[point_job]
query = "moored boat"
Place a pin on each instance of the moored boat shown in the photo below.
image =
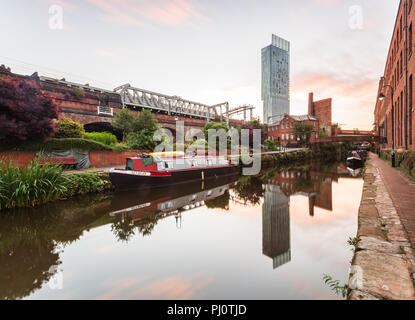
(168, 168)
(354, 160)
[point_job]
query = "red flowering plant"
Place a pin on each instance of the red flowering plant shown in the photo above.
(26, 113)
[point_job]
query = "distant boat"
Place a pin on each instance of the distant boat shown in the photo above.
(169, 168)
(354, 160)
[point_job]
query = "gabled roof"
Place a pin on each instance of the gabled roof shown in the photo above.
(277, 119)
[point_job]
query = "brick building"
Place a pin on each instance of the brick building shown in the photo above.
(282, 128)
(322, 111)
(395, 112)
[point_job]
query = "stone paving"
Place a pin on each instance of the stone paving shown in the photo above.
(383, 264)
(402, 192)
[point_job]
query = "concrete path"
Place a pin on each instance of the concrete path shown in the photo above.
(402, 192)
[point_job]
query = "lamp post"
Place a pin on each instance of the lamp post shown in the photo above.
(381, 97)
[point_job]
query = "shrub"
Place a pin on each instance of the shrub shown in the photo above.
(26, 112)
(67, 128)
(271, 145)
(129, 122)
(78, 93)
(141, 140)
(83, 183)
(103, 137)
(30, 186)
(408, 161)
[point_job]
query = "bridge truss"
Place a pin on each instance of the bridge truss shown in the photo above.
(172, 105)
(241, 109)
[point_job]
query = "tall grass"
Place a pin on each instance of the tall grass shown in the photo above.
(36, 184)
(103, 137)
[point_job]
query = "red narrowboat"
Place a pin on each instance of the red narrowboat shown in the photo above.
(168, 168)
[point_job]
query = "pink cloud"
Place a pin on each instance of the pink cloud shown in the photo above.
(175, 287)
(354, 96)
(139, 12)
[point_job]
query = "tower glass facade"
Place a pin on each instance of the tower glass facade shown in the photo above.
(276, 78)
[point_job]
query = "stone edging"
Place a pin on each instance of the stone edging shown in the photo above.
(383, 262)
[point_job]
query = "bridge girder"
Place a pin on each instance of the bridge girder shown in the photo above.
(131, 96)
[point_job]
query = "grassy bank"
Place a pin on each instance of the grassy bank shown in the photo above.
(38, 184)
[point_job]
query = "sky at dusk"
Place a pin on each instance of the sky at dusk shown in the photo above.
(208, 50)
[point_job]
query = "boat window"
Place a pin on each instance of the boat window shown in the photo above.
(166, 165)
(129, 164)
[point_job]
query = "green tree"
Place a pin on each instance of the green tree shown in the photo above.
(215, 126)
(322, 133)
(129, 122)
(124, 121)
(301, 130)
(145, 121)
(255, 123)
(271, 145)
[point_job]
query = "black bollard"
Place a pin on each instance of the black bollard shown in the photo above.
(393, 159)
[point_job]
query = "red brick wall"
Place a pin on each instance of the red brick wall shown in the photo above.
(109, 158)
(276, 131)
(395, 78)
(322, 111)
(97, 158)
(20, 159)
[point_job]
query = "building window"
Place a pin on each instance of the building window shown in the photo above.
(400, 33)
(410, 108)
(401, 65)
(292, 136)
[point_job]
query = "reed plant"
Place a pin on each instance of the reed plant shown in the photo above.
(36, 184)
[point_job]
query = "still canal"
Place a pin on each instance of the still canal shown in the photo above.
(271, 236)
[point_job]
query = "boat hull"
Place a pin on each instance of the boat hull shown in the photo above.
(354, 162)
(123, 181)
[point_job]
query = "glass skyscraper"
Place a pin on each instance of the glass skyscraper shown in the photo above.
(276, 78)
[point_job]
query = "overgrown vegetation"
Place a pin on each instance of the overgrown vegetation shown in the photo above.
(106, 138)
(31, 186)
(67, 128)
(138, 129)
(271, 145)
(38, 184)
(26, 112)
(303, 131)
(404, 160)
(335, 285)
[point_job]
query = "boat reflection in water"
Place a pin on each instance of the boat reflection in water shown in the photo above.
(170, 202)
(34, 241)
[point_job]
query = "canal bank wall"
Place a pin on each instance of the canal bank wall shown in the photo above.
(383, 262)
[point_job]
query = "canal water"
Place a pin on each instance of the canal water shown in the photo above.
(271, 236)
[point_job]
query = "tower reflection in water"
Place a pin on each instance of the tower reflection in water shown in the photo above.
(276, 226)
(315, 184)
